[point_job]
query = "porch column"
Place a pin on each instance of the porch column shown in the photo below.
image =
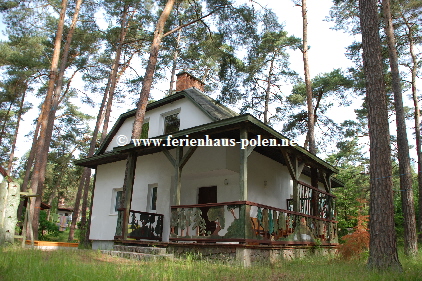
(178, 163)
(125, 201)
(295, 170)
(315, 195)
(326, 177)
(178, 175)
(243, 171)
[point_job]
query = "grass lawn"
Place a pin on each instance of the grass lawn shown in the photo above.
(29, 264)
(61, 237)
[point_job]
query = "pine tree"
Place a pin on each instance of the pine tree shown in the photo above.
(383, 245)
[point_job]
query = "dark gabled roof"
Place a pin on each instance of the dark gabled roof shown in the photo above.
(215, 110)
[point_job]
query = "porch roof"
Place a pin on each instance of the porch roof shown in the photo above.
(225, 128)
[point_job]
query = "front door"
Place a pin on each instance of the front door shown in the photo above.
(207, 194)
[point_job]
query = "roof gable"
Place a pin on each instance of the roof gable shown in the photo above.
(213, 109)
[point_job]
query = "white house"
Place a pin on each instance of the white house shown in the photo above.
(216, 177)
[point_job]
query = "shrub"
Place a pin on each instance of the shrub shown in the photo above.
(46, 227)
(357, 242)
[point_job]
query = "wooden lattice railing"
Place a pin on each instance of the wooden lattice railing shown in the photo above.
(249, 222)
(314, 201)
(143, 225)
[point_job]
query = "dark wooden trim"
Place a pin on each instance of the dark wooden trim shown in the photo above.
(169, 156)
(187, 156)
(229, 124)
(316, 189)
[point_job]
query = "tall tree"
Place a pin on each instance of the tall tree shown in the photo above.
(383, 245)
(409, 15)
(308, 82)
(38, 176)
(328, 90)
(267, 65)
(410, 239)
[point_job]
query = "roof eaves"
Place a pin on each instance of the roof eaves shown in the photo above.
(296, 147)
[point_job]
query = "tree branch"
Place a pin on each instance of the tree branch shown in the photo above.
(192, 22)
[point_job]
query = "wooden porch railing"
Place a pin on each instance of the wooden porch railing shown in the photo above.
(249, 222)
(314, 201)
(143, 225)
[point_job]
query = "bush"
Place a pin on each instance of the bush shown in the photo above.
(357, 242)
(46, 227)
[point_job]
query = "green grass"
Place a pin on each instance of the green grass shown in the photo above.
(62, 236)
(29, 264)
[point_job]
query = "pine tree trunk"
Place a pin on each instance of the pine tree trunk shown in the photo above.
(3, 129)
(308, 83)
(382, 247)
(417, 115)
(15, 136)
(31, 157)
(28, 165)
(65, 56)
(268, 90)
(145, 91)
(84, 241)
(113, 74)
(150, 70)
(410, 238)
(174, 66)
(103, 115)
(85, 174)
(38, 175)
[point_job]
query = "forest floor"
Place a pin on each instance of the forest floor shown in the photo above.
(29, 264)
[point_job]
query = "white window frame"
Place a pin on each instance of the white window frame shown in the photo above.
(168, 113)
(149, 196)
(113, 211)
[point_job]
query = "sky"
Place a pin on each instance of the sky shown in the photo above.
(327, 48)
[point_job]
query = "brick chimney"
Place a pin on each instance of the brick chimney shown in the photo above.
(185, 81)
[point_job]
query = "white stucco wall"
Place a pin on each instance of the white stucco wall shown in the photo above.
(103, 221)
(307, 180)
(154, 169)
(190, 116)
(269, 183)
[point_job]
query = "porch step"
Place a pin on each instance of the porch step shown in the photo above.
(139, 249)
(139, 253)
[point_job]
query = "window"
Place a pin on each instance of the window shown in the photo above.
(152, 198)
(115, 200)
(171, 123)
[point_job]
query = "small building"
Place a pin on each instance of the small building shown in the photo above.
(201, 173)
(64, 217)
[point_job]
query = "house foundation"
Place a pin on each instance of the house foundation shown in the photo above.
(239, 254)
(246, 255)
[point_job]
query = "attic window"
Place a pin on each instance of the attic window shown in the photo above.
(171, 123)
